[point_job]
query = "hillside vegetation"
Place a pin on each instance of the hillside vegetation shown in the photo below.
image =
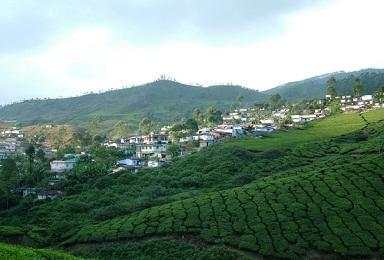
(319, 195)
(162, 101)
(371, 79)
(13, 252)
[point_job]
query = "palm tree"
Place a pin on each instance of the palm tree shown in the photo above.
(357, 88)
(30, 152)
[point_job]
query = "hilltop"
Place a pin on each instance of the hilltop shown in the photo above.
(315, 87)
(162, 101)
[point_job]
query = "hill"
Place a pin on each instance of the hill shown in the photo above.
(162, 101)
(326, 202)
(309, 196)
(315, 87)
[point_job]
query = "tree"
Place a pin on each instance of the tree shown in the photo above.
(274, 100)
(145, 126)
(357, 88)
(121, 128)
(198, 116)
(40, 155)
(173, 150)
(379, 95)
(212, 116)
(239, 100)
(30, 152)
(96, 124)
(331, 89)
(8, 180)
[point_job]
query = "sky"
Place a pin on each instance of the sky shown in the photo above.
(55, 48)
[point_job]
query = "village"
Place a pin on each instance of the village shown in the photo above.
(156, 149)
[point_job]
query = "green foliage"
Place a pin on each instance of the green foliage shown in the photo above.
(13, 252)
(280, 216)
(274, 100)
(331, 90)
(357, 88)
(212, 116)
(160, 101)
(173, 150)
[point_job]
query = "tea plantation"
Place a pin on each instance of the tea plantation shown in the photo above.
(335, 207)
(311, 192)
(13, 252)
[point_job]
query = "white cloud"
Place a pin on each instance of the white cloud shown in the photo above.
(342, 36)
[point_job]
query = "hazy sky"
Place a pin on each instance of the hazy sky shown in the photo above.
(51, 48)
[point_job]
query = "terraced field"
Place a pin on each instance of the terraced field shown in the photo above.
(12, 252)
(337, 208)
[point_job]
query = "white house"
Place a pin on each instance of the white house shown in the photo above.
(267, 121)
(367, 98)
(129, 163)
(186, 139)
(155, 163)
(52, 194)
(62, 166)
(151, 150)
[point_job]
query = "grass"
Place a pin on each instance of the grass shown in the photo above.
(13, 252)
(314, 131)
(374, 115)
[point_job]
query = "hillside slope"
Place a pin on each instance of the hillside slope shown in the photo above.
(161, 100)
(323, 201)
(13, 252)
(315, 87)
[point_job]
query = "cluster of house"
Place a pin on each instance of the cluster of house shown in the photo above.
(10, 141)
(349, 103)
(59, 168)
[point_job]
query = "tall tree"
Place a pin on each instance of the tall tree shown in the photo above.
(8, 180)
(212, 116)
(274, 100)
(357, 87)
(198, 116)
(331, 87)
(30, 152)
(147, 126)
(239, 100)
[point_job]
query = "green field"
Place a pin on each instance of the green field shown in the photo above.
(315, 131)
(13, 252)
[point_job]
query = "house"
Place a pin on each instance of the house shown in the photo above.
(130, 163)
(303, 118)
(263, 129)
(267, 121)
(155, 163)
(186, 139)
(60, 167)
(51, 195)
(238, 131)
(205, 143)
(367, 98)
(155, 138)
(151, 150)
(28, 191)
(3, 155)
